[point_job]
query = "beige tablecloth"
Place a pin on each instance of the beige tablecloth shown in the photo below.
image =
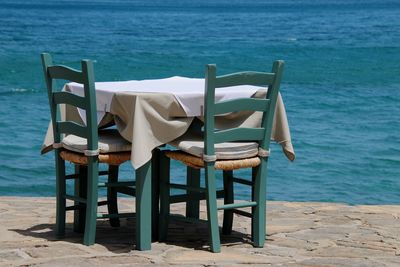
(149, 120)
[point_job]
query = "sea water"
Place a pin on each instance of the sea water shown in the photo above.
(341, 85)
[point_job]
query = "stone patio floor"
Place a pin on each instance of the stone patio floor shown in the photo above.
(298, 234)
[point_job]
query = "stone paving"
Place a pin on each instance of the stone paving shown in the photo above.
(299, 234)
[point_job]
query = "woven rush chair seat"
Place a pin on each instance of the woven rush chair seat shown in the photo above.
(225, 165)
(109, 158)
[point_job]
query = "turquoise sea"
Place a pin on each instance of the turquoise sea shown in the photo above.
(341, 84)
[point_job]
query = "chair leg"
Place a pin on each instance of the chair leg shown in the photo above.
(254, 172)
(80, 191)
(212, 215)
(112, 198)
(155, 192)
(91, 204)
(259, 220)
(164, 197)
(229, 198)
(60, 195)
(193, 202)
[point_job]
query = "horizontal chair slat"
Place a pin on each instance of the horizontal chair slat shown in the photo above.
(184, 219)
(242, 181)
(75, 207)
(182, 198)
(199, 196)
(126, 191)
(70, 99)
(103, 173)
(239, 134)
(117, 184)
(102, 203)
(72, 176)
(65, 73)
(76, 175)
(82, 206)
(185, 187)
(253, 104)
(116, 215)
(237, 205)
(75, 198)
(245, 78)
(69, 127)
(243, 213)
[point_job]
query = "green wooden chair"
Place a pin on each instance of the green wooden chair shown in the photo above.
(86, 147)
(225, 150)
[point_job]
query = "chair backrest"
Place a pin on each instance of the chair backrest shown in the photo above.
(261, 135)
(57, 98)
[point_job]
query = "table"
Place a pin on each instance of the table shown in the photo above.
(149, 116)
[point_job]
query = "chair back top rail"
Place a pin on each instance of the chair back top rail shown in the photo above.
(66, 73)
(267, 105)
(87, 102)
(244, 78)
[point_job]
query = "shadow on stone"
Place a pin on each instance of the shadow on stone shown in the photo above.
(194, 235)
(122, 239)
(115, 239)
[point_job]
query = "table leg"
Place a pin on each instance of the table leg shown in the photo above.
(193, 202)
(143, 207)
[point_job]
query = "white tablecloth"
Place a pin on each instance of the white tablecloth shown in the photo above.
(189, 92)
